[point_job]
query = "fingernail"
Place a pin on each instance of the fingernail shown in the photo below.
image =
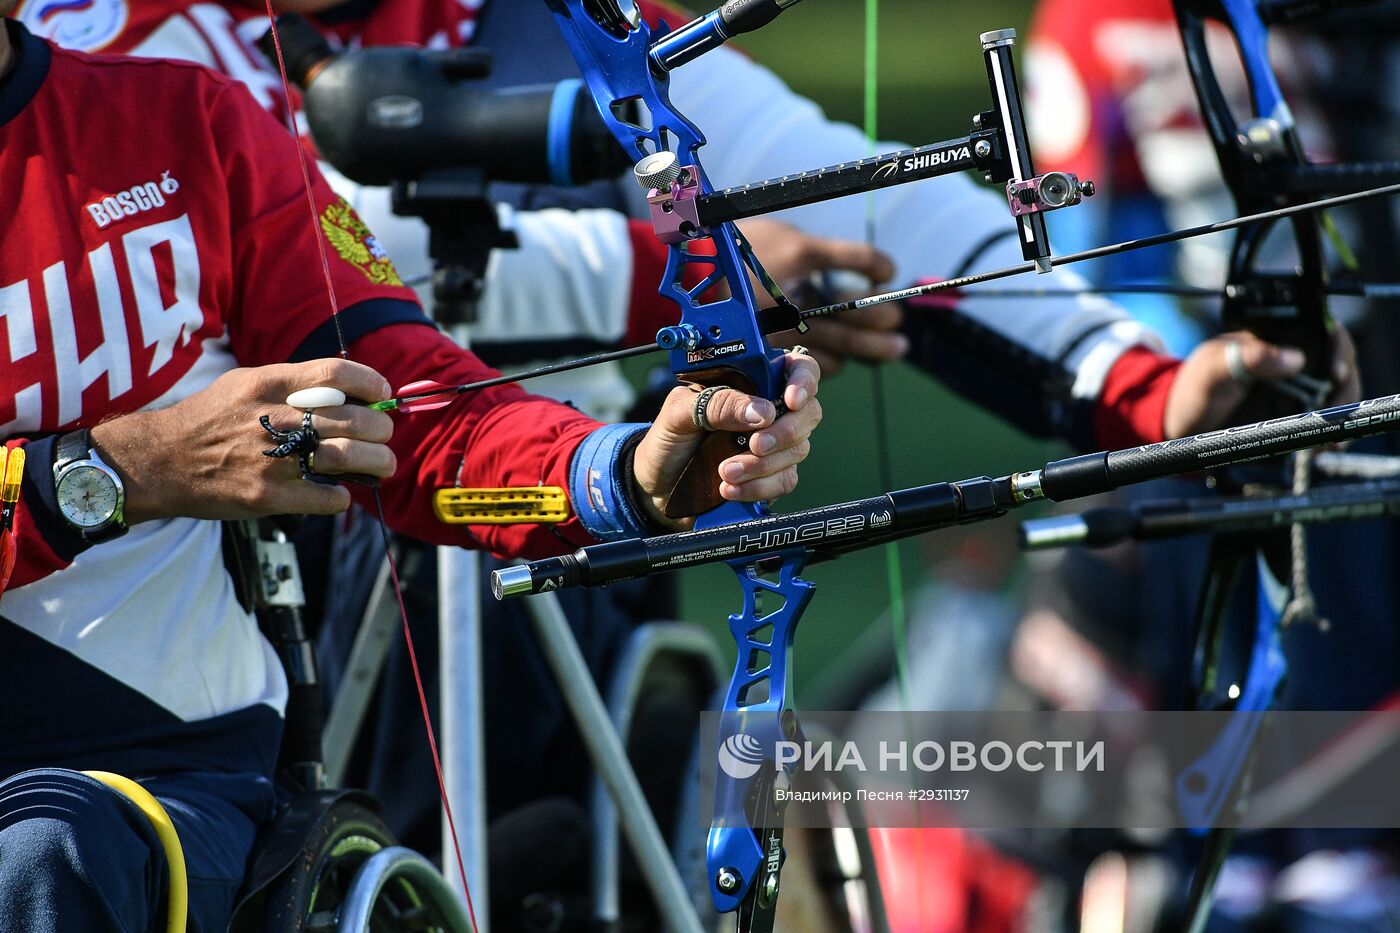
(902, 343)
(802, 395)
(762, 444)
(386, 391)
(1292, 358)
(752, 414)
(731, 472)
(1341, 372)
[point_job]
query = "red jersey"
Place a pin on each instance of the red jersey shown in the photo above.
(159, 235)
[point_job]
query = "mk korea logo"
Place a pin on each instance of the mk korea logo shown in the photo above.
(718, 351)
(740, 756)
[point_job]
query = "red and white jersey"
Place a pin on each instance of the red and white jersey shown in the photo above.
(138, 238)
(158, 234)
(1112, 98)
(578, 275)
(221, 35)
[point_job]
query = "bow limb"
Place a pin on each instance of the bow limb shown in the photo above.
(715, 342)
(1206, 787)
(1264, 167)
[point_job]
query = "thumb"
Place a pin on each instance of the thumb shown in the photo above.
(1263, 360)
(724, 410)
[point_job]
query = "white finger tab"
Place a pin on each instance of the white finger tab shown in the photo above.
(316, 397)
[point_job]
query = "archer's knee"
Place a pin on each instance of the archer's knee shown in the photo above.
(72, 857)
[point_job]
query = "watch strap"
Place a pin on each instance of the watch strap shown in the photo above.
(73, 446)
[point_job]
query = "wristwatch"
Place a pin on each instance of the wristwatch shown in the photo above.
(89, 492)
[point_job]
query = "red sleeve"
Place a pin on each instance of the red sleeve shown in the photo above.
(647, 312)
(281, 294)
(654, 11)
(1133, 404)
(495, 438)
(1070, 89)
(33, 558)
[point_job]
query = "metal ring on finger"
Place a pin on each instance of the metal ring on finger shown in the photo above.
(698, 415)
(1234, 362)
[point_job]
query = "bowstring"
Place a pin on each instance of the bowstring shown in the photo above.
(884, 465)
(344, 351)
(894, 571)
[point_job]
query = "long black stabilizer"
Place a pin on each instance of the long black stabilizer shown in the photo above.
(867, 522)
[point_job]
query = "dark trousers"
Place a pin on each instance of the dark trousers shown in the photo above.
(77, 856)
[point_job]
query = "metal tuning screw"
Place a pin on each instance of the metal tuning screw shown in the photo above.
(1048, 192)
(1026, 487)
(658, 171)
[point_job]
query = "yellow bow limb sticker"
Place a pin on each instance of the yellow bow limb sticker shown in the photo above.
(524, 505)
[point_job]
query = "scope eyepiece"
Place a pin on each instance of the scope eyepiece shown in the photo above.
(394, 113)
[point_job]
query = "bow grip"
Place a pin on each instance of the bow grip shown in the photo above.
(696, 490)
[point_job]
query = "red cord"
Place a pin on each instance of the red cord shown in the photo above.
(306, 178)
(378, 504)
(423, 707)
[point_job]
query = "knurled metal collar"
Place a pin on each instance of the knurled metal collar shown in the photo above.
(998, 37)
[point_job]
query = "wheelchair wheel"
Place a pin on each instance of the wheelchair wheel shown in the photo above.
(308, 898)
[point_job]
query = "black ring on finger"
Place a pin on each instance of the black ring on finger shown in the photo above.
(301, 441)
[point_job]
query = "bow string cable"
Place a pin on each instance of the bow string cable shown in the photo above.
(303, 162)
(884, 458)
(894, 570)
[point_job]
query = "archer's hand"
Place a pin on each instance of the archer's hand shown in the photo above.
(793, 258)
(202, 457)
(1205, 393)
(870, 335)
(776, 447)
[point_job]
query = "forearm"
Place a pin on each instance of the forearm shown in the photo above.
(495, 438)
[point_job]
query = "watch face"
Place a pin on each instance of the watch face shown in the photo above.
(87, 497)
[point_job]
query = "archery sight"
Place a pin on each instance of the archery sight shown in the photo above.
(723, 342)
(998, 148)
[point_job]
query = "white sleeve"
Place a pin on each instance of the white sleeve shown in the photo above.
(569, 281)
(937, 228)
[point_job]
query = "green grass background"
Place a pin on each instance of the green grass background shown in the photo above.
(932, 80)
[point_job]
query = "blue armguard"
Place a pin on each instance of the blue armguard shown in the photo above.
(596, 484)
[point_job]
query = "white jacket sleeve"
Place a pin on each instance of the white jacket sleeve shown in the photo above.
(937, 228)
